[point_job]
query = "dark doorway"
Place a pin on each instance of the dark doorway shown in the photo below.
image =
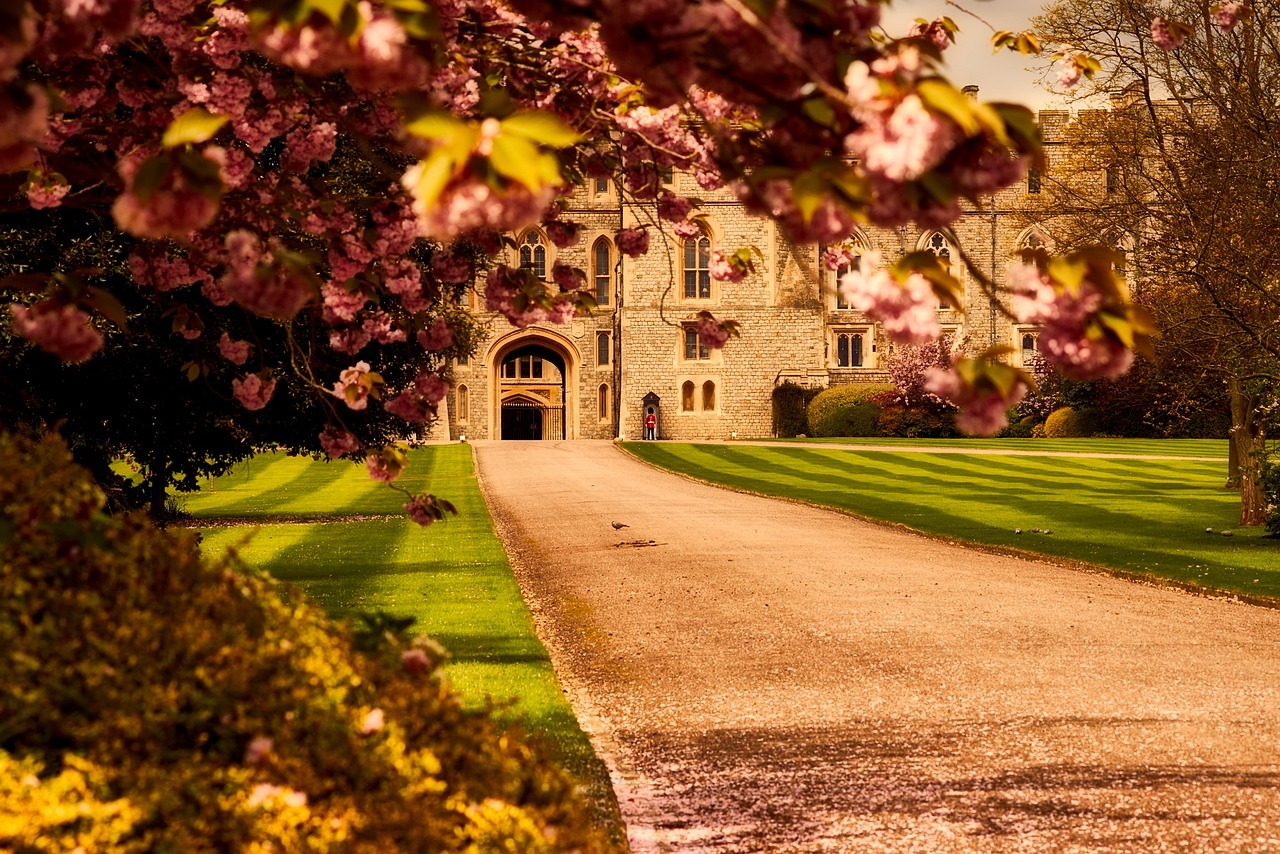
(522, 421)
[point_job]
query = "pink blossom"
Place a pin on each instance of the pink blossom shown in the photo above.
(633, 242)
(382, 469)
(563, 234)
(935, 31)
(174, 209)
(350, 341)
(436, 337)
(904, 145)
(381, 328)
(1069, 72)
(338, 443)
(1164, 36)
(352, 388)
(235, 352)
(372, 722)
(469, 203)
(501, 291)
(46, 191)
(305, 146)
(253, 391)
(1227, 15)
(258, 750)
(673, 208)
(983, 412)
(568, 278)
(419, 401)
(451, 268)
(723, 270)
(1071, 338)
(711, 332)
(907, 310)
(837, 258)
(416, 660)
(424, 509)
(339, 303)
(276, 292)
(63, 330)
(686, 229)
(264, 792)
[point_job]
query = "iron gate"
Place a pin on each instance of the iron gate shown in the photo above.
(532, 421)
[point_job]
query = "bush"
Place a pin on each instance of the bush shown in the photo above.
(790, 402)
(1023, 428)
(851, 419)
(157, 701)
(1068, 423)
(917, 422)
(826, 402)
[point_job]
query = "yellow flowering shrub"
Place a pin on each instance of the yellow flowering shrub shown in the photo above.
(158, 701)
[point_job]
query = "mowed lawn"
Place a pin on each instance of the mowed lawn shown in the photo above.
(345, 541)
(1144, 516)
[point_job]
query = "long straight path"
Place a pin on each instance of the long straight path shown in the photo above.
(767, 677)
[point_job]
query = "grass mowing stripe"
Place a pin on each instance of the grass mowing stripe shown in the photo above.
(1144, 517)
(453, 577)
(1138, 447)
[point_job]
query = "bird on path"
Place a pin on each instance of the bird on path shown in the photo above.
(618, 526)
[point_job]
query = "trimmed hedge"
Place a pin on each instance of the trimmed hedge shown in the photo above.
(824, 405)
(851, 419)
(1068, 423)
(157, 701)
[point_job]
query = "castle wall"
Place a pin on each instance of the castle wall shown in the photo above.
(790, 319)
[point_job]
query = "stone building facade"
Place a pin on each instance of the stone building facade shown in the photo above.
(595, 376)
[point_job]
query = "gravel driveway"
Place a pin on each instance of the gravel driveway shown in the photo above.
(763, 676)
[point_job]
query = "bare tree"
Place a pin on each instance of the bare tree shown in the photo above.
(1180, 172)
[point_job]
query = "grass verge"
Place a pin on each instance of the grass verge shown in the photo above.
(344, 540)
(1144, 517)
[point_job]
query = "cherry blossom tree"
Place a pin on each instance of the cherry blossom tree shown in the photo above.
(208, 132)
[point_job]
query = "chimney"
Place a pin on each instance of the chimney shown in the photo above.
(971, 90)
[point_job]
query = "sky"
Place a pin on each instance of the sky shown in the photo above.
(999, 77)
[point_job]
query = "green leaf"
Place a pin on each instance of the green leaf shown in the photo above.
(520, 160)
(436, 171)
(151, 175)
(808, 190)
(106, 304)
(820, 111)
(542, 128)
(941, 97)
(762, 8)
(1119, 326)
(331, 9)
(195, 125)
(1068, 272)
(434, 124)
(25, 282)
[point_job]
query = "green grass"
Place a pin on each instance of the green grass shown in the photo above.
(287, 516)
(1145, 517)
(1216, 448)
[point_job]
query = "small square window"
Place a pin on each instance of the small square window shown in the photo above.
(694, 348)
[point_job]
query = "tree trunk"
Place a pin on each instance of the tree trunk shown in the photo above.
(1233, 465)
(1249, 443)
(157, 486)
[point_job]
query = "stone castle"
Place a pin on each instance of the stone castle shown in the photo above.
(596, 377)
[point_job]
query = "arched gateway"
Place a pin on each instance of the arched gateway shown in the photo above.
(534, 374)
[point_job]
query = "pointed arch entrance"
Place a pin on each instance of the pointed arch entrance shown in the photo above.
(534, 374)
